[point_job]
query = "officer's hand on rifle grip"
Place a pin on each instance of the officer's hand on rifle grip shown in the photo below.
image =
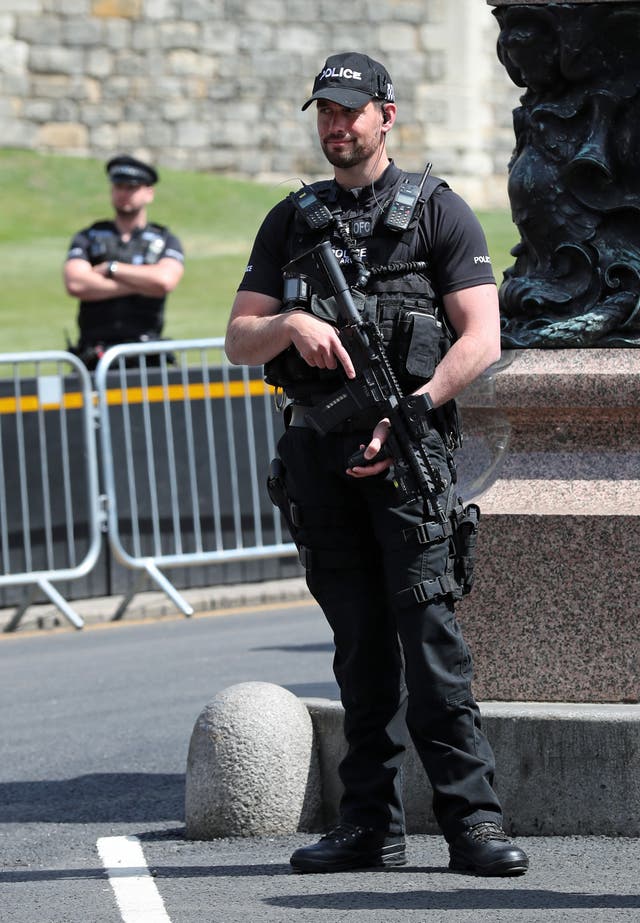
(318, 342)
(358, 459)
(381, 459)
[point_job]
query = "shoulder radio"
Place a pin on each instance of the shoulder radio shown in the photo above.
(315, 213)
(403, 206)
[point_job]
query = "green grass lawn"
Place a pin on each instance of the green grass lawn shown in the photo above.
(47, 198)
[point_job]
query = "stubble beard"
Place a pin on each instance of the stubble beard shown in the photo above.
(352, 156)
(128, 211)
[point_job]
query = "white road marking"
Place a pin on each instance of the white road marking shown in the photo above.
(135, 891)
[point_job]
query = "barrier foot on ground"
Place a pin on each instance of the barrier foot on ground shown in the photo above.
(150, 570)
(58, 601)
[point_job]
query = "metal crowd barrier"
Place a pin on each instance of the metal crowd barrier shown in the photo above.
(46, 405)
(177, 478)
(185, 442)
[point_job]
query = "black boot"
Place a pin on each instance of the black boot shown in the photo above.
(349, 847)
(487, 850)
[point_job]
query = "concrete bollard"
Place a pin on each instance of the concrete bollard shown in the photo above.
(252, 767)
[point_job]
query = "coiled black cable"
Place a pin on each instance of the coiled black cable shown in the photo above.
(398, 268)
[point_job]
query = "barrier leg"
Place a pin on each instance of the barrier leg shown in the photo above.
(165, 585)
(127, 599)
(22, 608)
(58, 601)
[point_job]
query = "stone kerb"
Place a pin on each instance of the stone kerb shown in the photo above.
(562, 770)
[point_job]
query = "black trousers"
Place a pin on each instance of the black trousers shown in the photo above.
(402, 666)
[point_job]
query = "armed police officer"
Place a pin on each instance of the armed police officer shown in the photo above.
(386, 568)
(123, 269)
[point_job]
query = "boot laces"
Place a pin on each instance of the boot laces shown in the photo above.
(488, 831)
(343, 832)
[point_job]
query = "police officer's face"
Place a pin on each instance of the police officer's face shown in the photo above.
(128, 199)
(349, 136)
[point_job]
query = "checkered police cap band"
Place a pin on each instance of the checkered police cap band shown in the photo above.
(130, 170)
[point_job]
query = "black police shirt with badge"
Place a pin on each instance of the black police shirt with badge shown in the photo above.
(126, 317)
(456, 244)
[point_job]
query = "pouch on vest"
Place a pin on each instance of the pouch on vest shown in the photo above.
(422, 336)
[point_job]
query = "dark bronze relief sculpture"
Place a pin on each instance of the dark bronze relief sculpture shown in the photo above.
(574, 177)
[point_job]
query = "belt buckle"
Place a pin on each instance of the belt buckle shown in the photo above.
(418, 592)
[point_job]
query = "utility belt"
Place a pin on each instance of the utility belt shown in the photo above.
(90, 352)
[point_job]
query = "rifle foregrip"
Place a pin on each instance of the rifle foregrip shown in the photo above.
(418, 411)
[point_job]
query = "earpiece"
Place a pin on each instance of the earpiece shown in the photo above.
(385, 115)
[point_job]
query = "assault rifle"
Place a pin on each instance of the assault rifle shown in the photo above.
(375, 385)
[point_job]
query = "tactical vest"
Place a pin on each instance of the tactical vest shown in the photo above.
(399, 294)
(130, 317)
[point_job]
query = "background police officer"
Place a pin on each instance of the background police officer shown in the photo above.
(123, 269)
(381, 567)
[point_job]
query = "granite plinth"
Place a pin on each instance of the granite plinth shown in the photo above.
(554, 613)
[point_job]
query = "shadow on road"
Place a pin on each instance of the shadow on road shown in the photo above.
(482, 898)
(128, 797)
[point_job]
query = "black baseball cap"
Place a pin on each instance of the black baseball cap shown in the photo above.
(131, 171)
(351, 80)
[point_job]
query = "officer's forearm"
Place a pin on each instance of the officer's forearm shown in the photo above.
(94, 287)
(155, 281)
(254, 339)
(464, 362)
(474, 313)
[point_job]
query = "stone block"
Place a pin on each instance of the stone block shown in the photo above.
(39, 30)
(54, 60)
(554, 611)
(17, 133)
(63, 136)
(122, 9)
(397, 36)
(21, 6)
(82, 32)
(99, 62)
(39, 110)
(179, 35)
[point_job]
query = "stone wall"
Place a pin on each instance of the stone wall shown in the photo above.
(218, 84)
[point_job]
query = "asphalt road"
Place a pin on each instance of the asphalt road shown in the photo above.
(95, 728)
